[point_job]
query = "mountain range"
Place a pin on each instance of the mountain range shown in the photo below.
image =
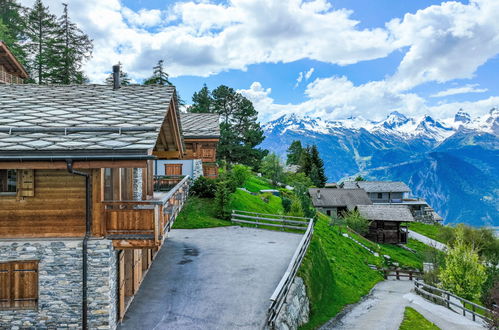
(452, 163)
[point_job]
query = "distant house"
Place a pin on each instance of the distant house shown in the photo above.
(335, 202)
(387, 222)
(11, 70)
(201, 135)
(380, 191)
(80, 216)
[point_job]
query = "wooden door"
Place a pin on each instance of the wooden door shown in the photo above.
(121, 284)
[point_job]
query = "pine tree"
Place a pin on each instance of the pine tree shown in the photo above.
(12, 27)
(41, 32)
(317, 172)
(73, 48)
(272, 169)
(159, 76)
(294, 153)
(124, 79)
(201, 101)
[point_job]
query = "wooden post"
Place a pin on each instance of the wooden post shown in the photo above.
(473, 309)
(398, 277)
(448, 299)
(386, 274)
(410, 275)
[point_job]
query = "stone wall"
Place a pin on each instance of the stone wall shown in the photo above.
(197, 169)
(296, 309)
(60, 283)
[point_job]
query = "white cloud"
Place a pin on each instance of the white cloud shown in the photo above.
(305, 75)
(470, 88)
(143, 18)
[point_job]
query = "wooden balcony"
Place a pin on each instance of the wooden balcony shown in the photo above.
(7, 78)
(144, 223)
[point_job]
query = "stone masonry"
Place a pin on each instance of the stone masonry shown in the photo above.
(60, 284)
(296, 309)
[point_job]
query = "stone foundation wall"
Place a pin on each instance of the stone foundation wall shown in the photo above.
(296, 309)
(197, 169)
(60, 284)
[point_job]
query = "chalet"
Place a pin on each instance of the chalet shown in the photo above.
(11, 71)
(335, 202)
(380, 191)
(80, 218)
(201, 134)
(387, 222)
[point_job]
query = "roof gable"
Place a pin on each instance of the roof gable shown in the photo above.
(200, 125)
(377, 186)
(379, 212)
(332, 197)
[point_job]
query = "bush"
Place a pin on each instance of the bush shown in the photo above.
(286, 204)
(204, 187)
(355, 221)
(222, 199)
(240, 174)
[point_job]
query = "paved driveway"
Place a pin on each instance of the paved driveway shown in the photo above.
(217, 278)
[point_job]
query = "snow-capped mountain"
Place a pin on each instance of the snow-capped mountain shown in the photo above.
(453, 163)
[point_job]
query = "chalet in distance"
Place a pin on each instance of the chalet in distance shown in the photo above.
(80, 218)
(11, 71)
(336, 202)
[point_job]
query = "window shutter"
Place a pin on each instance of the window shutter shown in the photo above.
(5, 275)
(173, 169)
(26, 183)
(25, 284)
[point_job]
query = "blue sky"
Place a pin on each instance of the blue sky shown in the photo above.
(355, 57)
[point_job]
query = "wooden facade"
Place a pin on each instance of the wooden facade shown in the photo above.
(206, 150)
(11, 70)
(389, 232)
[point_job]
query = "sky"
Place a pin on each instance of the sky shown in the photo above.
(329, 59)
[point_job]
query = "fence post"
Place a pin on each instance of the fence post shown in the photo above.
(473, 309)
(410, 275)
(398, 277)
(448, 299)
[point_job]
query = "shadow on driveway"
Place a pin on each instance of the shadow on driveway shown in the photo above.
(216, 278)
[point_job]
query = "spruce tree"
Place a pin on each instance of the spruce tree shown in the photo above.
(294, 153)
(73, 48)
(159, 76)
(12, 27)
(201, 101)
(317, 173)
(41, 32)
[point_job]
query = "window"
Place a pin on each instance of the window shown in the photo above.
(173, 169)
(19, 285)
(118, 184)
(380, 195)
(328, 212)
(8, 182)
(207, 153)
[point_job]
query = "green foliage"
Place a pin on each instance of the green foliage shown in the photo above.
(240, 132)
(222, 199)
(463, 273)
(295, 179)
(286, 204)
(358, 223)
(204, 187)
(312, 165)
(14, 26)
(431, 231)
(255, 184)
(359, 178)
(296, 208)
(301, 192)
(272, 169)
(267, 203)
(240, 174)
(294, 153)
(335, 272)
(199, 213)
(413, 320)
(159, 76)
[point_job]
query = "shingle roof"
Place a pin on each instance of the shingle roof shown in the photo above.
(385, 212)
(49, 110)
(200, 125)
(332, 197)
(377, 186)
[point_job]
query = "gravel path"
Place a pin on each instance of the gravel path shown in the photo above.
(383, 309)
(217, 278)
(428, 241)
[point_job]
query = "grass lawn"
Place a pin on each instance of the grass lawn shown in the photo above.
(335, 272)
(199, 213)
(413, 320)
(431, 231)
(243, 201)
(255, 184)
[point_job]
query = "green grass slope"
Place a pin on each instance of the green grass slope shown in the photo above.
(431, 231)
(255, 184)
(335, 272)
(199, 213)
(243, 201)
(413, 320)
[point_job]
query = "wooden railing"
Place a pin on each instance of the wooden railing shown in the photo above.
(278, 298)
(145, 219)
(166, 182)
(428, 291)
(8, 78)
(270, 220)
(401, 273)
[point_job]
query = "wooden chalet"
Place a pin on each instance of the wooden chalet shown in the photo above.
(387, 222)
(11, 70)
(336, 202)
(201, 133)
(81, 217)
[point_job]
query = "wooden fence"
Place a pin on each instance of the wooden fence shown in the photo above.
(428, 291)
(270, 220)
(399, 273)
(278, 298)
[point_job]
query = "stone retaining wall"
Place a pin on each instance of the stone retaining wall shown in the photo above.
(296, 309)
(60, 284)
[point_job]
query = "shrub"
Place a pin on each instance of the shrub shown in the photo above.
(286, 204)
(355, 221)
(204, 187)
(222, 199)
(240, 173)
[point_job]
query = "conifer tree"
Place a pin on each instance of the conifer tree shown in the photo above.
(159, 76)
(41, 33)
(201, 101)
(294, 153)
(72, 49)
(317, 173)
(12, 27)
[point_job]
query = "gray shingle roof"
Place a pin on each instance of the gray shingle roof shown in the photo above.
(200, 125)
(377, 186)
(332, 197)
(51, 109)
(385, 212)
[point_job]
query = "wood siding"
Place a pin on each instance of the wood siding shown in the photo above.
(18, 285)
(57, 208)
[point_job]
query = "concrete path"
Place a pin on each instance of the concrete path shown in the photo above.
(428, 241)
(217, 278)
(383, 309)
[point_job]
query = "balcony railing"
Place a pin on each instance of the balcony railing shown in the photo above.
(7, 78)
(144, 223)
